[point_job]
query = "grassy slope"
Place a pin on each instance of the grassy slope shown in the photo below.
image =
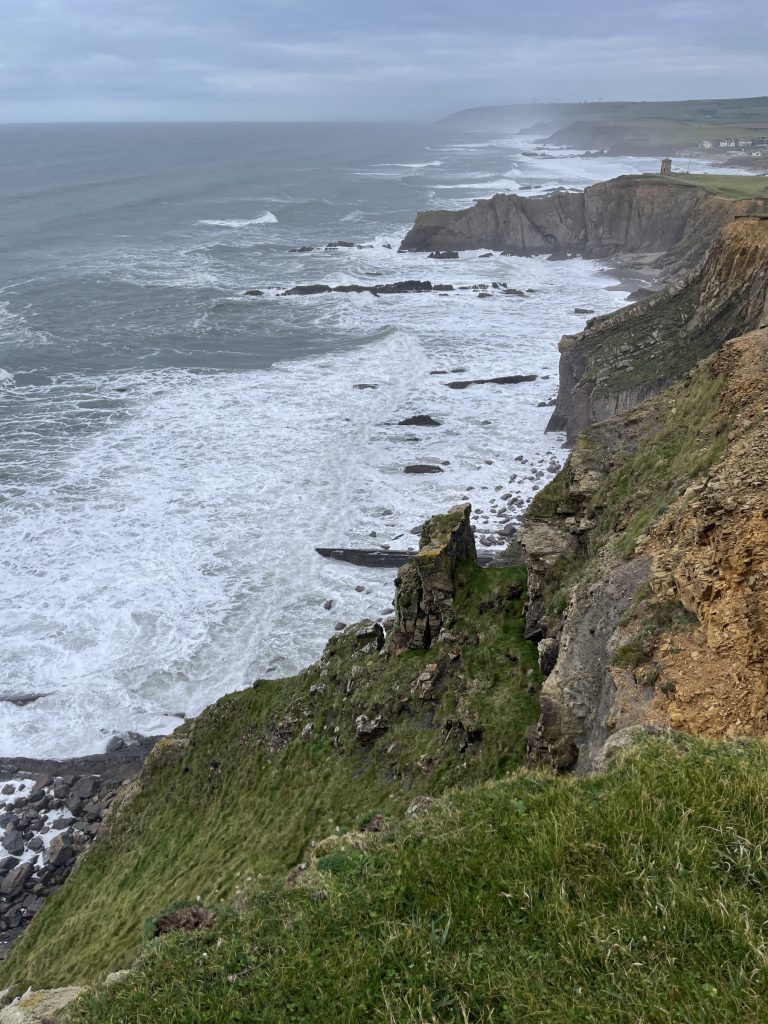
(635, 897)
(676, 436)
(230, 808)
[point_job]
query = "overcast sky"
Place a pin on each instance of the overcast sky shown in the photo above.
(64, 60)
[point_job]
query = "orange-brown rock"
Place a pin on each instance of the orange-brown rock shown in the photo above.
(710, 552)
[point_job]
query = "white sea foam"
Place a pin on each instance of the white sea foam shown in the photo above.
(265, 218)
(507, 184)
(170, 558)
(427, 163)
(6, 378)
(167, 557)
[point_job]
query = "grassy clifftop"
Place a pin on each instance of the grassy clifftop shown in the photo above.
(729, 186)
(243, 790)
(638, 895)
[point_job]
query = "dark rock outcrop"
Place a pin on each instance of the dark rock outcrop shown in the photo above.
(426, 585)
(512, 378)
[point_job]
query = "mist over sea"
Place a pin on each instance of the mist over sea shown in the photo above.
(172, 451)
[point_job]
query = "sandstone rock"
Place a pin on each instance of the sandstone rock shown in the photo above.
(621, 359)
(625, 214)
(116, 977)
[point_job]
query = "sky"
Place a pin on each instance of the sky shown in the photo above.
(105, 60)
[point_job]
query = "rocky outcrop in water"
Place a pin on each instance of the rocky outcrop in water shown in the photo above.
(630, 214)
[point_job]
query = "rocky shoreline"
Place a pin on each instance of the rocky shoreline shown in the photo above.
(50, 811)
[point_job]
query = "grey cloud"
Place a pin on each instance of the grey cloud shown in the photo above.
(81, 59)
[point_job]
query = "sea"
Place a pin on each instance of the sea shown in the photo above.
(173, 451)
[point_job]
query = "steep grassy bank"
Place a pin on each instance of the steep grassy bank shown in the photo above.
(637, 896)
(243, 789)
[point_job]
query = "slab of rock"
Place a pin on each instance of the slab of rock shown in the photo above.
(422, 468)
(449, 254)
(515, 378)
(39, 1007)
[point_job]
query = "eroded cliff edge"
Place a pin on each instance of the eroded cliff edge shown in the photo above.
(648, 553)
(629, 214)
(621, 359)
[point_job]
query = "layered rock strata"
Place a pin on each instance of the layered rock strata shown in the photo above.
(629, 214)
(623, 358)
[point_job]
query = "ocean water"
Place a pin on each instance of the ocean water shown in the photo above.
(172, 451)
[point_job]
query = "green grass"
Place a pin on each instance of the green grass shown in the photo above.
(729, 186)
(248, 792)
(635, 897)
(643, 485)
(644, 472)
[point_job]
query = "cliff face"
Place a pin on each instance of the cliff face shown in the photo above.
(648, 568)
(625, 215)
(621, 359)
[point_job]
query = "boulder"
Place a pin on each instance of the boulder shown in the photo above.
(13, 841)
(368, 729)
(449, 254)
(422, 468)
(15, 880)
(308, 289)
(61, 850)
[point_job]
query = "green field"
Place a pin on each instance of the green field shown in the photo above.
(730, 186)
(629, 127)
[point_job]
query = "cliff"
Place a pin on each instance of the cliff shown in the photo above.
(629, 214)
(248, 787)
(360, 842)
(648, 557)
(621, 359)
